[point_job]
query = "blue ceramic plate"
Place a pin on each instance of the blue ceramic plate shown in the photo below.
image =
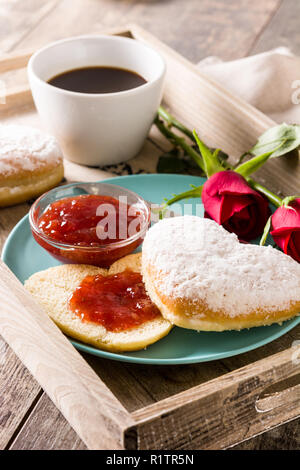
(24, 257)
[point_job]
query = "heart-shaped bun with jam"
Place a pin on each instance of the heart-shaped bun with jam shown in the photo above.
(108, 309)
(202, 278)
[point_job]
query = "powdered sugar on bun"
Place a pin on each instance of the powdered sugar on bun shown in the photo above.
(197, 262)
(31, 163)
(26, 149)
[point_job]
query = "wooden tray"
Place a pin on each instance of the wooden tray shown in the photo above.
(113, 405)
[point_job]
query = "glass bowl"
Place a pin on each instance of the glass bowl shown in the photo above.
(101, 255)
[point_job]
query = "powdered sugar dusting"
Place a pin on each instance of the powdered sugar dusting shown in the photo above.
(26, 148)
(200, 260)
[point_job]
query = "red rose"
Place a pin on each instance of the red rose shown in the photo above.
(229, 200)
(286, 229)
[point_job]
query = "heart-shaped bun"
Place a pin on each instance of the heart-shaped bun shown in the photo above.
(53, 287)
(202, 278)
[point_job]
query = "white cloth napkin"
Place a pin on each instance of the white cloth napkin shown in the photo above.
(269, 81)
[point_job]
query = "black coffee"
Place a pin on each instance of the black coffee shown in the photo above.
(97, 80)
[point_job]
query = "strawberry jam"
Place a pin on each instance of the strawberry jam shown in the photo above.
(118, 302)
(74, 220)
(96, 228)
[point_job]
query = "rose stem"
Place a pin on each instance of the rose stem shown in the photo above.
(192, 193)
(241, 159)
(172, 122)
(273, 198)
(176, 140)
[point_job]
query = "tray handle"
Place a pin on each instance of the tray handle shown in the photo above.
(224, 411)
(284, 394)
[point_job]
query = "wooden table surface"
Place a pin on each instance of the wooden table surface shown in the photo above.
(229, 29)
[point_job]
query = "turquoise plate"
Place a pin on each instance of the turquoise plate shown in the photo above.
(24, 257)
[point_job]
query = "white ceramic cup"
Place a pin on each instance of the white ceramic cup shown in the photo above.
(103, 128)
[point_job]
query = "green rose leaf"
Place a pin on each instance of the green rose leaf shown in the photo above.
(211, 161)
(278, 140)
(246, 169)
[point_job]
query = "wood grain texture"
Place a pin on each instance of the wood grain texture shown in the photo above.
(136, 386)
(9, 218)
(18, 17)
(18, 389)
(285, 437)
(47, 429)
(89, 406)
(56, 433)
(14, 61)
(75, 17)
(283, 29)
(16, 386)
(17, 95)
(194, 28)
(198, 29)
(221, 412)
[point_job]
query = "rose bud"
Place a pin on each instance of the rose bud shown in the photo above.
(229, 200)
(286, 228)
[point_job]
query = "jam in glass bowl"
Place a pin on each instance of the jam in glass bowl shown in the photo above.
(89, 223)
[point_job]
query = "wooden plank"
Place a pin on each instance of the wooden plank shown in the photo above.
(129, 388)
(196, 29)
(12, 373)
(19, 17)
(285, 437)
(17, 96)
(14, 61)
(55, 432)
(136, 386)
(219, 413)
(74, 17)
(282, 30)
(162, 382)
(15, 401)
(281, 344)
(8, 219)
(47, 429)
